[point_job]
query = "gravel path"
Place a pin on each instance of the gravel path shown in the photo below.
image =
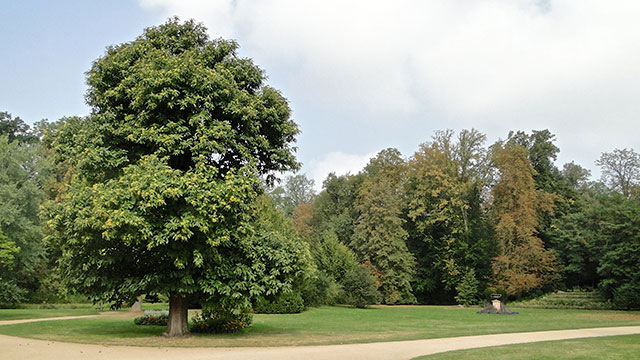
(21, 348)
(22, 321)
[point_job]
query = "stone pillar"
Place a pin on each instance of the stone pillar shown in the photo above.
(497, 304)
(137, 306)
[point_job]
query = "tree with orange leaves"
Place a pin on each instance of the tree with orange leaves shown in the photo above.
(523, 264)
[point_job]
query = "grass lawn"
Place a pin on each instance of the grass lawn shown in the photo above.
(36, 311)
(328, 325)
(155, 306)
(33, 311)
(614, 347)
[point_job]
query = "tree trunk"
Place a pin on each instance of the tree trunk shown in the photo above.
(137, 306)
(177, 324)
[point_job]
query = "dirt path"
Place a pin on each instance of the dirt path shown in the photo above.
(22, 321)
(21, 348)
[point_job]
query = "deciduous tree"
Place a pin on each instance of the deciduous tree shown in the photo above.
(448, 232)
(20, 226)
(621, 170)
(523, 264)
(165, 174)
(379, 236)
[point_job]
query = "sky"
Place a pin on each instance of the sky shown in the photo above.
(362, 76)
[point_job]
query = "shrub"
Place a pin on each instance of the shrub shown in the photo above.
(287, 303)
(320, 289)
(220, 322)
(360, 288)
(10, 293)
(626, 297)
(153, 318)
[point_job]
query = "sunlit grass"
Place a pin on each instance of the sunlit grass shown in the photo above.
(32, 311)
(328, 325)
(615, 347)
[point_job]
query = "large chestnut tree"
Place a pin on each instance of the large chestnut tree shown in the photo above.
(161, 177)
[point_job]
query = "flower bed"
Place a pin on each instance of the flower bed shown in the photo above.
(159, 318)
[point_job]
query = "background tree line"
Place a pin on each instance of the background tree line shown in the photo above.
(454, 222)
(459, 220)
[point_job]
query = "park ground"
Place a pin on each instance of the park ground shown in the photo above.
(369, 330)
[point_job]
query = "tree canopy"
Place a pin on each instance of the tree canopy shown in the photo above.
(165, 173)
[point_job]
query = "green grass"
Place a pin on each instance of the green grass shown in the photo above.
(615, 347)
(329, 325)
(37, 311)
(571, 299)
(155, 306)
(31, 311)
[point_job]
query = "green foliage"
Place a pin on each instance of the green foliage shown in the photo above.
(16, 129)
(625, 296)
(332, 257)
(320, 289)
(467, 289)
(333, 260)
(159, 318)
(21, 249)
(599, 244)
(621, 170)
(360, 288)
(447, 226)
(163, 179)
(8, 250)
(219, 321)
(379, 237)
(296, 190)
(575, 175)
(333, 209)
(575, 238)
(542, 152)
(619, 263)
(570, 299)
(281, 257)
(287, 303)
(10, 293)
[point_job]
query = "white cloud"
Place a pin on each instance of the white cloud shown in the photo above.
(217, 14)
(570, 66)
(338, 163)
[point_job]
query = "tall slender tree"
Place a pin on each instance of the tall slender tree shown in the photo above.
(379, 237)
(523, 264)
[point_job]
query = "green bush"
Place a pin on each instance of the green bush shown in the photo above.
(287, 303)
(569, 299)
(360, 288)
(627, 296)
(220, 322)
(320, 289)
(153, 318)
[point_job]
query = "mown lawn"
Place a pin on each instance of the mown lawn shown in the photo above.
(33, 312)
(615, 347)
(37, 311)
(328, 325)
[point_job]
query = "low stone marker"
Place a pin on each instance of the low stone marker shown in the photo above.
(496, 307)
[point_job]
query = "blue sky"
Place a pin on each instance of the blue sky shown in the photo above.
(48, 46)
(365, 75)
